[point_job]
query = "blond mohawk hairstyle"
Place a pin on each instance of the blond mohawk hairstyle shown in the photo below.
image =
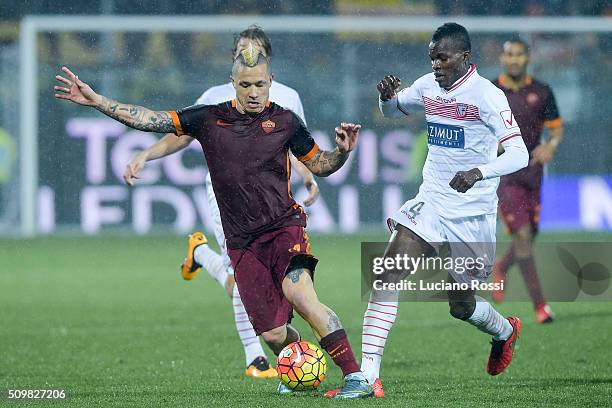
(250, 55)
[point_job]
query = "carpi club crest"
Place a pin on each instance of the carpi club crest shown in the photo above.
(461, 109)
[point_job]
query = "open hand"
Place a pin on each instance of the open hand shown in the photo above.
(346, 136)
(388, 87)
(133, 168)
(75, 90)
(313, 192)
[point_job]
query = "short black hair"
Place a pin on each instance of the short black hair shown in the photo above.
(254, 32)
(518, 40)
(457, 33)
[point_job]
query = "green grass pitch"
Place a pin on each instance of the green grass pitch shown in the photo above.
(109, 320)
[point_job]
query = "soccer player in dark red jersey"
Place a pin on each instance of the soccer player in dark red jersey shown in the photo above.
(246, 143)
(534, 107)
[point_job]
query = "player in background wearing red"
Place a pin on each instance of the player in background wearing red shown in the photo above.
(534, 107)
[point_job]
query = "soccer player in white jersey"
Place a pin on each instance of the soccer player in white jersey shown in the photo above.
(219, 265)
(467, 116)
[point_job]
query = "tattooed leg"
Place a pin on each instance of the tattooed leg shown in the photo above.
(299, 290)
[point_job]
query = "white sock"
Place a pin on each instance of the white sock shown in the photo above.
(377, 322)
(250, 341)
(212, 262)
(488, 320)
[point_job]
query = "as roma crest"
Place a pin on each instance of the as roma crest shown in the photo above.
(268, 126)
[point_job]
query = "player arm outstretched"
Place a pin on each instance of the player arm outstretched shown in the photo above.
(166, 146)
(134, 116)
(322, 163)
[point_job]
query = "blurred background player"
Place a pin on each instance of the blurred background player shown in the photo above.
(467, 117)
(218, 265)
(533, 104)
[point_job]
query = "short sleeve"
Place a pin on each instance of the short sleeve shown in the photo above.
(302, 144)
(551, 113)
(190, 120)
(495, 112)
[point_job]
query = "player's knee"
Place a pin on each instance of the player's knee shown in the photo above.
(522, 244)
(302, 303)
(275, 336)
(462, 310)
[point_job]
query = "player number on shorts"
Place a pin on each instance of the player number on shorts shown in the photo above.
(416, 209)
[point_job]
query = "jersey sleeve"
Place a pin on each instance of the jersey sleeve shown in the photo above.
(495, 112)
(551, 113)
(408, 100)
(302, 144)
(189, 121)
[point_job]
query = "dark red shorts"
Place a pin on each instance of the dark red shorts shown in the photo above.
(518, 206)
(260, 268)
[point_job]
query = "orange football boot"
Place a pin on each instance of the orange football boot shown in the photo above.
(190, 268)
(260, 368)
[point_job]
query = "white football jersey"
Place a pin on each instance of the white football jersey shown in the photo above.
(464, 126)
(280, 94)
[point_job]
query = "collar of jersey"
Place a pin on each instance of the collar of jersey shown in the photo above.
(501, 79)
(462, 80)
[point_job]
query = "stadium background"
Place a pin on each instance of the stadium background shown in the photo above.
(94, 306)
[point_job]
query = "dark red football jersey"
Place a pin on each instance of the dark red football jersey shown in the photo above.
(248, 160)
(534, 108)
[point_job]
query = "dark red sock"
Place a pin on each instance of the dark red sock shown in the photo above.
(530, 275)
(506, 261)
(338, 347)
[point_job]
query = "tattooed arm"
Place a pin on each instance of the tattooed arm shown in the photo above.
(324, 163)
(136, 117)
(133, 116)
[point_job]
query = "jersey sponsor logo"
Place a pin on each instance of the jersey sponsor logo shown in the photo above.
(441, 99)
(268, 126)
(445, 135)
(508, 119)
(222, 123)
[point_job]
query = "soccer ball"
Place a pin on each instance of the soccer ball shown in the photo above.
(301, 366)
